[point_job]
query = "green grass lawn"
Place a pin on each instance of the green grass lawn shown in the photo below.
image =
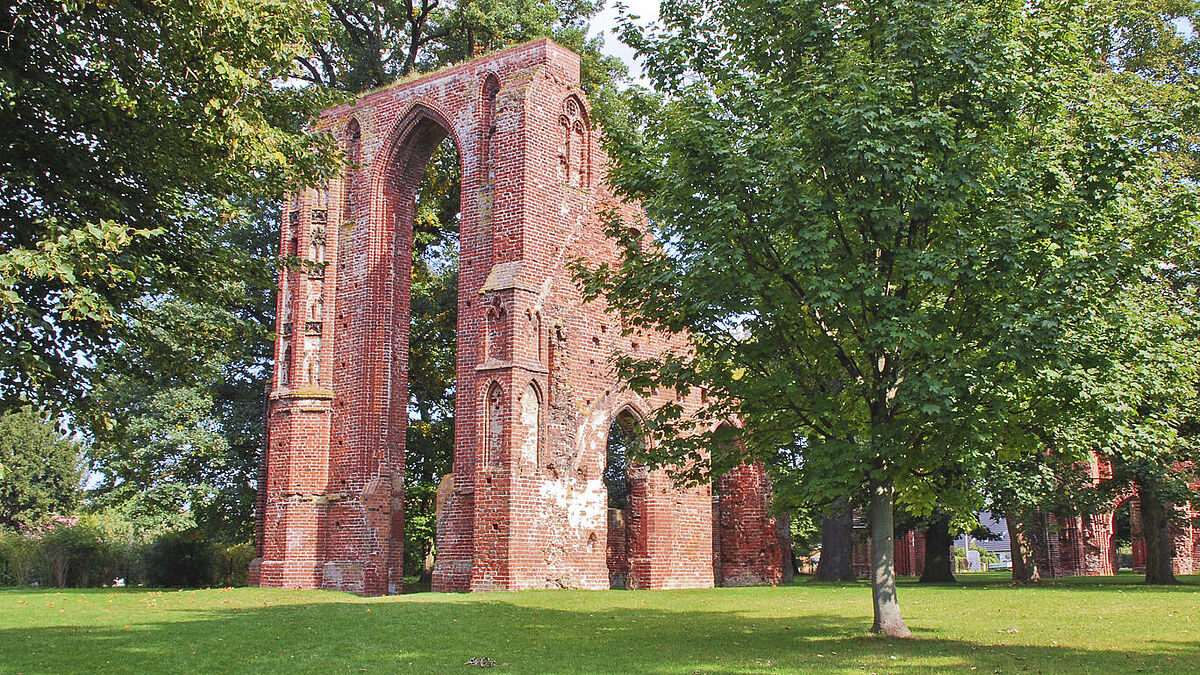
(1110, 625)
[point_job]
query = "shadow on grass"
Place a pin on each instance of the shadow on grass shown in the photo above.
(440, 633)
(1126, 581)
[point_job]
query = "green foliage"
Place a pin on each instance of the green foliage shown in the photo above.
(176, 444)
(232, 564)
(877, 225)
(364, 44)
(44, 470)
(75, 553)
(180, 559)
(105, 548)
(986, 557)
(21, 561)
(129, 127)
(868, 240)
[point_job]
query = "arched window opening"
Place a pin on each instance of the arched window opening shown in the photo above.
(428, 192)
(285, 358)
(495, 342)
(285, 304)
(625, 438)
(491, 88)
(353, 167)
(316, 245)
(312, 360)
(573, 156)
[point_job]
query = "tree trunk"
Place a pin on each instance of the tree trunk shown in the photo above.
(1024, 565)
(1156, 528)
(939, 561)
(837, 543)
(883, 565)
(783, 530)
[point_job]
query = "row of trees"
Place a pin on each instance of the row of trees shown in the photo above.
(929, 252)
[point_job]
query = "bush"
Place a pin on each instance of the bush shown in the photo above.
(233, 564)
(76, 555)
(180, 559)
(21, 561)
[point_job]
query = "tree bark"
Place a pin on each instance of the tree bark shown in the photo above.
(883, 565)
(939, 562)
(783, 530)
(837, 543)
(1024, 565)
(1156, 528)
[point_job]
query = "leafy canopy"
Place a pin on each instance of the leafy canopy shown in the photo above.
(128, 128)
(875, 221)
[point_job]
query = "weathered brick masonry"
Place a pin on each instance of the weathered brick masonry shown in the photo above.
(526, 507)
(1082, 545)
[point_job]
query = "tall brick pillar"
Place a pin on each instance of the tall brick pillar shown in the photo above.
(298, 411)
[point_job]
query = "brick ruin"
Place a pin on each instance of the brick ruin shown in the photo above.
(527, 505)
(1070, 545)
(1083, 545)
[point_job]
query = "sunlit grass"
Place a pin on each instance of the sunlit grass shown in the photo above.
(980, 624)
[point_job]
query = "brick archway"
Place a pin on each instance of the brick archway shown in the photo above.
(525, 506)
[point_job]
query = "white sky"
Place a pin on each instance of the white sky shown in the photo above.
(603, 23)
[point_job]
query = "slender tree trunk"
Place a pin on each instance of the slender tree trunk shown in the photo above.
(939, 562)
(837, 543)
(1024, 564)
(783, 530)
(883, 565)
(1156, 528)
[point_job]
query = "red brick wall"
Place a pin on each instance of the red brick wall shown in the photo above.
(910, 554)
(1083, 545)
(908, 551)
(535, 393)
(748, 550)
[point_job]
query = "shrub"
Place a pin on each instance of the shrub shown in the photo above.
(233, 564)
(180, 559)
(21, 561)
(76, 553)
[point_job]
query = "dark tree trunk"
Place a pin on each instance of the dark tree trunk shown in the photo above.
(783, 530)
(1024, 564)
(1156, 528)
(939, 561)
(883, 565)
(837, 543)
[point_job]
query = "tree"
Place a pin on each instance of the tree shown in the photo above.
(44, 470)
(837, 543)
(873, 219)
(127, 127)
(365, 44)
(1143, 401)
(164, 451)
